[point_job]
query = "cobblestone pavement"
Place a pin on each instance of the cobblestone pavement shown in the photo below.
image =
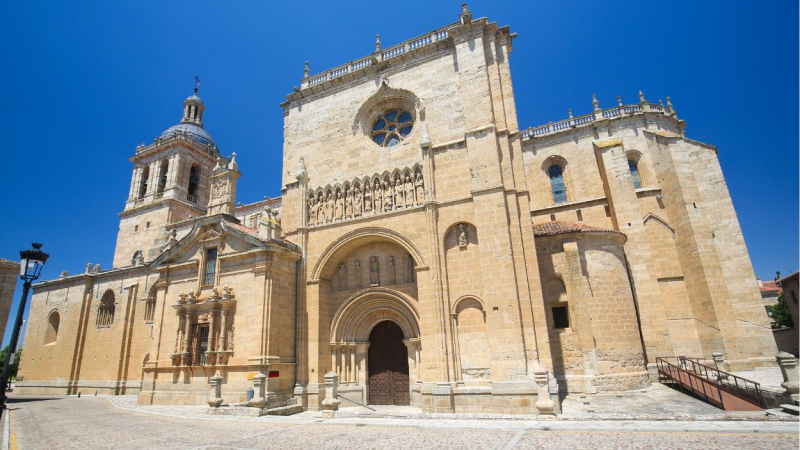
(97, 423)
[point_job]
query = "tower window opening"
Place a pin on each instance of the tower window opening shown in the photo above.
(560, 317)
(143, 182)
(194, 179)
(162, 181)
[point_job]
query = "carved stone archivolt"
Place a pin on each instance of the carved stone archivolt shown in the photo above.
(400, 189)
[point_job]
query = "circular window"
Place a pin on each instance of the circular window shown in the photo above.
(391, 127)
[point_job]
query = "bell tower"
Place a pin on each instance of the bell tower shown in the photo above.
(170, 183)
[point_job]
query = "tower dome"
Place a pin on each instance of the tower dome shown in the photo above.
(192, 121)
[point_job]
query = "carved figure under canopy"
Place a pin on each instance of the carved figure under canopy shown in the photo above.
(374, 271)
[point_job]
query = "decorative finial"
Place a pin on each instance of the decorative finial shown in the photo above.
(305, 71)
(570, 112)
(232, 165)
(595, 103)
(466, 15)
(302, 173)
(619, 101)
(660, 103)
(377, 42)
(196, 83)
(669, 105)
(641, 97)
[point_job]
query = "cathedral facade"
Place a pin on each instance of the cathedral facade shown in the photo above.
(428, 251)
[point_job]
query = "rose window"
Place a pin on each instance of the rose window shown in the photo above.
(392, 127)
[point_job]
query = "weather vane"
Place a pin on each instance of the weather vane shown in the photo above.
(196, 82)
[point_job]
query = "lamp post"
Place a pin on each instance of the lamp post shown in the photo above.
(30, 268)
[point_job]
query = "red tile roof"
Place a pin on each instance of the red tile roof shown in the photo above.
(244, 229)
(553, 228)
(769, 286)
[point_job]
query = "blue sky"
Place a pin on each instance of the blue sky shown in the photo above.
(85, 82)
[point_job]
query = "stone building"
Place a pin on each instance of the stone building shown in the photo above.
(427, 250)
(9, 274)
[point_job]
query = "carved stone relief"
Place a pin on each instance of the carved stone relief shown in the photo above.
(374, 271)
(342, 277)
(357, 273)
(398, 190)
(463, 241)
(392, 273)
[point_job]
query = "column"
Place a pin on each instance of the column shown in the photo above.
(352, 376)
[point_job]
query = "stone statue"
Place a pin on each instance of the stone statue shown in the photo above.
(378, 197)
(357, 202)
(408, 265)
(387, 195)
(312, 210)
(357, 273)
(348, 205)
(374, 271)
(96, 268)
(391, 269)
(88, 267)
(409, 192)
(420, 187)
(64, 274)
(398, 193)
(462, 235)
(342, 277)
(367, 198)
(338, 212)
(329, 208)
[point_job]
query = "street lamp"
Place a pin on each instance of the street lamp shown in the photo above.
(30, 268)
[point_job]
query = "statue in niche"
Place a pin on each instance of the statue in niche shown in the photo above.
(342, 277)
(329, 208)
(338, 213)
(378, 196)
(320, 209)
(312, 210)
(367, 198)
(357, 273)
(408, 266)
(357, 202)
(392, 274)
(398, 192)
(348, 205)
(374, 271)
(420, 187)
(409, 191)
(387, 195)
(462, 236)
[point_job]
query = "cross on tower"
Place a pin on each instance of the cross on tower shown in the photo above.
(196, 82)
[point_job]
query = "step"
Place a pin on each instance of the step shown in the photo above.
(791, 409)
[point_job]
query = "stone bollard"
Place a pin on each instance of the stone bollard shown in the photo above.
(544, 403)
(215, 399)
(259, 386)
(330, 403)
(791, 377)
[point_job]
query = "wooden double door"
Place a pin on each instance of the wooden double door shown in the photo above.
(388, 366)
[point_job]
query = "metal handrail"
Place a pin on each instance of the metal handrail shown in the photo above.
(717, 378)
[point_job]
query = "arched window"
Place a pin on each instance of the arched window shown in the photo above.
(162, 180)
(105, 312)
(194, 181)
(143, 183)
(634, 168)
(557, 186)
(53, 322)
(136, 256)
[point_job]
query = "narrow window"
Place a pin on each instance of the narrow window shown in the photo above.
(143, 183)
(211, 267)
(556, 174)
(560, 317)
(200, 344)
(162, 181)
(105, 312)
(136, 228)
(194, 178)
(52, 328)
(150, 308)
(634, 168)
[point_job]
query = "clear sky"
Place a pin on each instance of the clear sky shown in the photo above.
(85, 82)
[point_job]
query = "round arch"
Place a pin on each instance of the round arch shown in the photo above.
(356, 238)
(360, 313)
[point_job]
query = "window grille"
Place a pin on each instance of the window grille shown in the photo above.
(211, 267)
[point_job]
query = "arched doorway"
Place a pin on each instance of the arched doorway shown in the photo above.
(388, 365)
